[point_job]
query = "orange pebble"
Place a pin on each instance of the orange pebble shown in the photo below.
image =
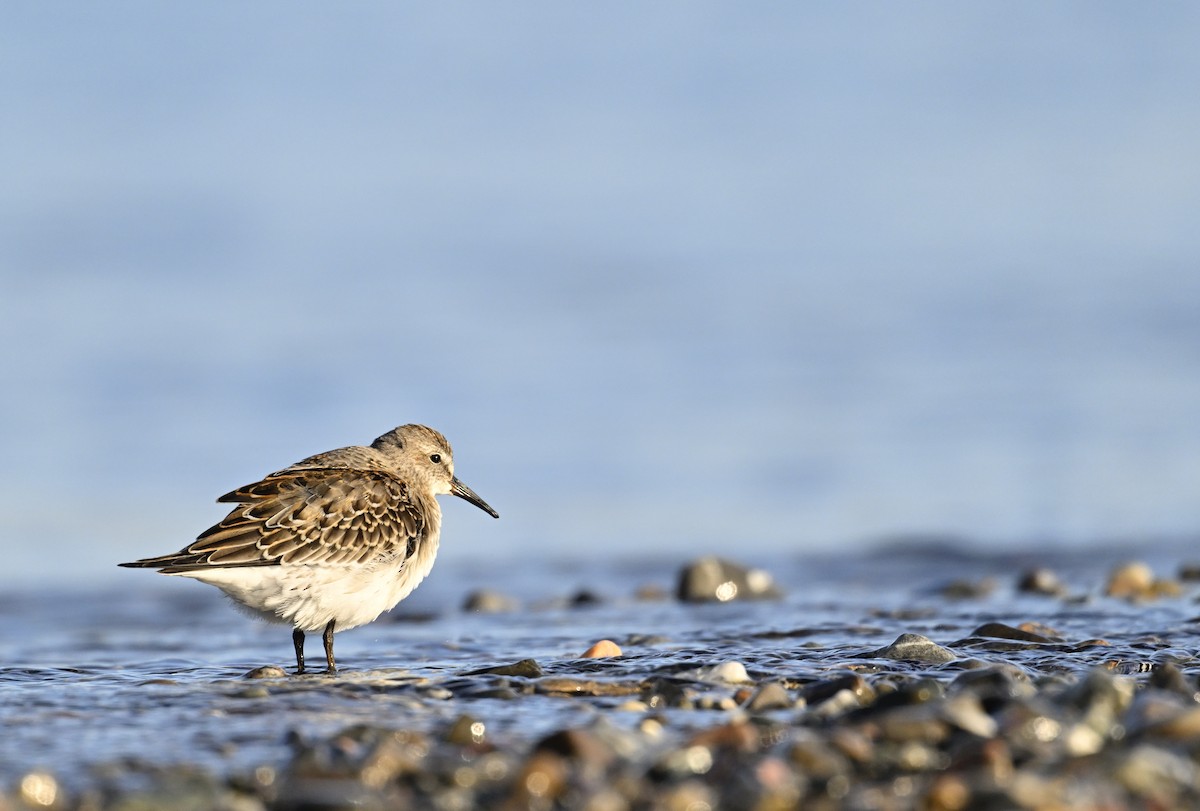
(602, 650)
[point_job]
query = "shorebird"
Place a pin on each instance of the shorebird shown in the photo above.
(333, 541)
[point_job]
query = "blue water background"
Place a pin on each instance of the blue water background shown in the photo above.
(673, 278)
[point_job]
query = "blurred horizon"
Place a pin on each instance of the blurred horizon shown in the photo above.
(673, 280)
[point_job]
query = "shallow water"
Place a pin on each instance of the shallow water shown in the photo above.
(99, 682)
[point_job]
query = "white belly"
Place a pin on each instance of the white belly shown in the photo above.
(309, 596)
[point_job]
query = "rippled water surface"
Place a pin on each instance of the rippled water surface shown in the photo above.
(152, 670)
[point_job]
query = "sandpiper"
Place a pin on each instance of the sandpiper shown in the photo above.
(331, 542)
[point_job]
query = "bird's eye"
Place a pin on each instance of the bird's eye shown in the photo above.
(436, 458)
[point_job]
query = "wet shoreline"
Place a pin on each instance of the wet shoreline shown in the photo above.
(965, 688)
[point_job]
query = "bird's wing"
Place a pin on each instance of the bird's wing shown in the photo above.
(307, 516)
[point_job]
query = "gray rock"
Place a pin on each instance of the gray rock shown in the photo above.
(713, 579)
(486, 601)
(771, 696)
(1041, 581)
(527, 668)
(914, 648)
(998, 630)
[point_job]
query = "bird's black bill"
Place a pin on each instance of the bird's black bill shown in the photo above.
(462, 491)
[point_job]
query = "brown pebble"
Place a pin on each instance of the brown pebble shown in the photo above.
(1131, 579)
(578, 745)
(1135, 581)
(604, 649)
(771, 696)
(1040, 629)
(967, 589)
(1043, 582)
(998, 630)
(948, 792)
(266, 672)
(736, 736)
(542, 780)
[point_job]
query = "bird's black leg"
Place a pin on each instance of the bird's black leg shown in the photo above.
(298, 643)
(327, 638)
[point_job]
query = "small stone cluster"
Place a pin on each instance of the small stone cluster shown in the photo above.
(1010, 716)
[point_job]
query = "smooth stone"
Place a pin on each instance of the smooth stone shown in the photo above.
(526, 668)
(1184, 725)
(1162, 713)
(266, 672)
(821, 691)
(913, 648)
(1135, 581)
(578, 745)
(713, 579)
(39, 789)
(736, 736)
(731, 672)
(1153, 772)
(1132, 579)
(967, 589)
(919, 691)
(966, 712)
(770, 696)
(998, 630)
(813, 755)
(466, 731)
(1168, 676)
(487, 601)
(1041, 629)
(838, 704)
(662, 693)
(1043, 582)
(585, 598)
(253, 692)
(1102, 698)
(706, 702)
(544, 778)
(603, 649)
(1000, 682)
(918, 723)
(947, 792)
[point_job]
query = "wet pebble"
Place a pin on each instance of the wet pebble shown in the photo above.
(821, 691)
(466, 731)
(998, 630)
(728, 672)
(40, 790)
(266, 672)
(967, 589)
(527, 668)
(1041, 581)
(770, 696)
(603, 649)
(713, 579)
(914, 648)
(1012, 716)
(488, 601)
(1135, 580)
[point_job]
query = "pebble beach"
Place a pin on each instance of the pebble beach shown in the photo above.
(915, 679)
